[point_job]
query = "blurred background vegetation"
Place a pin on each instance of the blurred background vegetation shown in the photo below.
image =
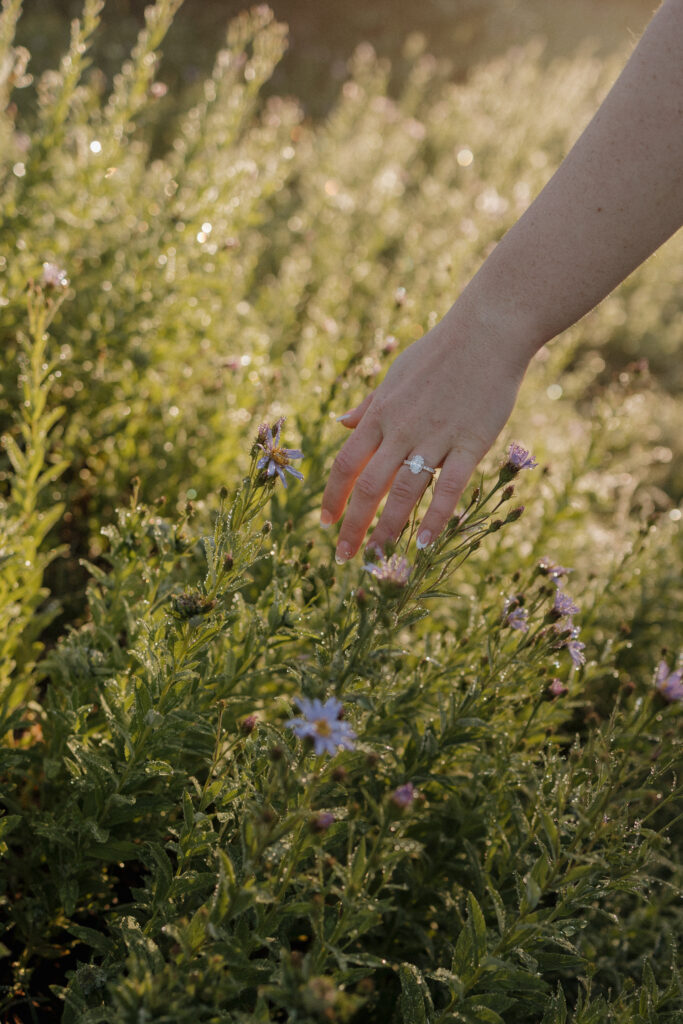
(323, 35)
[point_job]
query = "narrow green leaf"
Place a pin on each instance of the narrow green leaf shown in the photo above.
(411, 1002)
(477, 925)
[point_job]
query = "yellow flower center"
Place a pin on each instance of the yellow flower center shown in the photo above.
(322, 727)
(278, 456)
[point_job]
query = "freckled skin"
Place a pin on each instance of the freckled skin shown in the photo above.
(616, 197)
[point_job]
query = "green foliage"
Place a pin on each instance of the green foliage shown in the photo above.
(501, 843)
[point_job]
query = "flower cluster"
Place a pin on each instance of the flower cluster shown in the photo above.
(563, 611)
(322, 724)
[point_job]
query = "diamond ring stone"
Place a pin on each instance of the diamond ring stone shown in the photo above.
(417, 464)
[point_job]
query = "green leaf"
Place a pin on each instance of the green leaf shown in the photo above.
(556, 1011)
(359, 865)
(139, 944)
(463, 959)
(100, 942)
(164, 876)
(480, 1013)
(8, 823)
(551, 832)
(412, 1001)
(477, 926)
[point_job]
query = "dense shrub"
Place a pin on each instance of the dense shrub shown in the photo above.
(498, 836)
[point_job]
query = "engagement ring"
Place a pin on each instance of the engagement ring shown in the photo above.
(417, 464)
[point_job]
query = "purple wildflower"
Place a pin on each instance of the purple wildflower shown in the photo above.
(576, 648)
(553, 571)
(519, 458)
(321, 821)
(516, 617)
(53, 276)
(669, 683)
(557, 688)
(564, 605)
(276, 459)
(403, 796)
(395, 569)
(321, 723)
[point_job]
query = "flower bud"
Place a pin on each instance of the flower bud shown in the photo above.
(556, 688)
(514, 514)
(403, 796)
(53, 277)
(321, 822)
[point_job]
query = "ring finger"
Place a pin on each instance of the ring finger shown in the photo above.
(408, 487)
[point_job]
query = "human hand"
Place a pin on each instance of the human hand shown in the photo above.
(447, 397)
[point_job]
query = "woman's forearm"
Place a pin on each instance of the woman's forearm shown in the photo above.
(615, 198)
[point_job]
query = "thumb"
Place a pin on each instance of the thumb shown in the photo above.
(352, 418)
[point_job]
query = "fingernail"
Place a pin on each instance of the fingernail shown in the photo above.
(343, 553)
(344, 416)
(326, 519)
(423, 539)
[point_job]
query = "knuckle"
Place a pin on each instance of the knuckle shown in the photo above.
(366, 488)
(377, 408)
(449, 489)
(343, 464)
(403, 492)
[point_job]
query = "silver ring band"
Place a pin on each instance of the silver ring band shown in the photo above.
(417, 464)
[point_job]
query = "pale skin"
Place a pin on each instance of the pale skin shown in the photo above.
(616, 197)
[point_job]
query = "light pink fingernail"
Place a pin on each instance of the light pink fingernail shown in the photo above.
(423, 539)
(344, 416)
(343, 553)
(326, 519)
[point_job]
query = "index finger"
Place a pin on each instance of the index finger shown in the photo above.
(348, 464)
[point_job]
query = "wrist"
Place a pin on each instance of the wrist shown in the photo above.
(502, 330)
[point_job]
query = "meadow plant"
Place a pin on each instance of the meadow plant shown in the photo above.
(239, 782)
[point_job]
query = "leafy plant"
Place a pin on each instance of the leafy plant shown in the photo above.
(240, 783)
